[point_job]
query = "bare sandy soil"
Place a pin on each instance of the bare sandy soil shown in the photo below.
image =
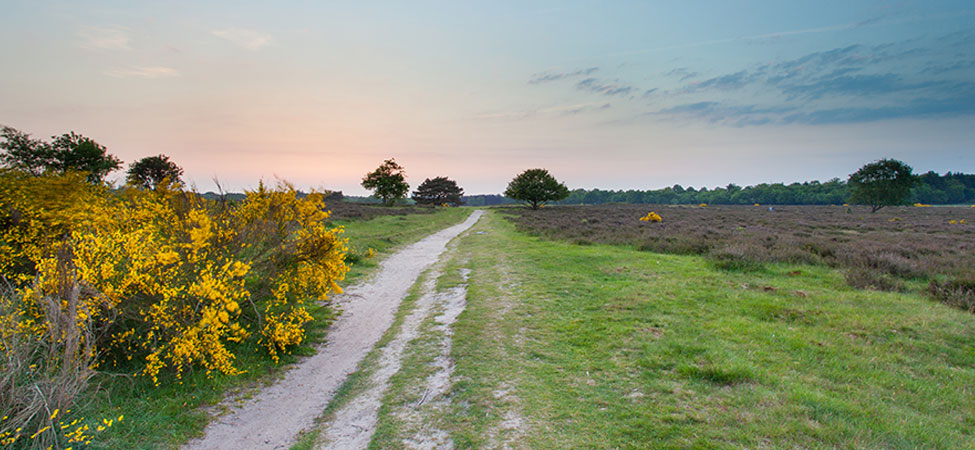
(274, 418)
(354, 424)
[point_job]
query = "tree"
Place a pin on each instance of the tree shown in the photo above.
(438, 191)
(149, 172)
(535, 187)
(388, 181)
(22, 153)
(68, 152)
(882, 183)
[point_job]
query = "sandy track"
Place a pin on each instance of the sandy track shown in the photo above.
(354, 424)
(273, 418)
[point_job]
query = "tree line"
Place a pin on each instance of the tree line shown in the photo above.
(73, 152)
(932, 188)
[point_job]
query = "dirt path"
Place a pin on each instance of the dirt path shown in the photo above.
(353, 425)
(274, 418)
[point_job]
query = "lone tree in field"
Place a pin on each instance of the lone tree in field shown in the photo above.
(68, 152)
(883, 183)
(438, 191)
(535, 187)
(151, 171)
(388, 181)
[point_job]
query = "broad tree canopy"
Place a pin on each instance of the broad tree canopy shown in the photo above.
(388, 181)
(438, 191)
(883, 183)
(536, 187)
(149, 172)
(68, 152)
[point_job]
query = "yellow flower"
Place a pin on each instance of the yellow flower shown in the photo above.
(651, 217)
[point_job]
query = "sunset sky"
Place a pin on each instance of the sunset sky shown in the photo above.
(614, 95)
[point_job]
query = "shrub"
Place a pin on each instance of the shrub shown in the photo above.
(958, 292)
(882, 260)
(873, 279)
(651, 217)
(164, 274)
(736, 257)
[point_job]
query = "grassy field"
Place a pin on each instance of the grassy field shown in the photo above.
(166, 416)
(599, 346)
(565, 345)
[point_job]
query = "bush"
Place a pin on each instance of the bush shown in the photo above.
(735, 257)
(164, 275)
(959, 292)
(873, 279)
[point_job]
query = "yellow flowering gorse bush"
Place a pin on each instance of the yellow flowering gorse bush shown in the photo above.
(651, 217)
(164, 275)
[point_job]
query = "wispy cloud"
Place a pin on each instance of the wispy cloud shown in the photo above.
(682, 73)
(944, 99)
(560, 110)
(939, 69)
(731, 81)
(963, 104)
(725, 114)
(920, 77)
(547, 76)
(870, 22)
(249, 39)
(604, 87)
(105, 38)
(146, 72)
(854, 85)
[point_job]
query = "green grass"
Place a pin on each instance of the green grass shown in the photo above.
(610, 347)
(384, 234)
(165, 417)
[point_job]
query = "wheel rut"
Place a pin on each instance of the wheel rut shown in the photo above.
(275, 417)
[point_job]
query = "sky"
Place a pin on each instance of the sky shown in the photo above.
(609, 95)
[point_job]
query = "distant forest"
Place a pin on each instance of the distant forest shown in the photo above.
(934, 189)
(948, 189)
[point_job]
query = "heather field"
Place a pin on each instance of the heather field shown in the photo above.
(884, 250)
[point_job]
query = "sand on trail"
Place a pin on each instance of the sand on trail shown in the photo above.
(353, 425)
(273, 418)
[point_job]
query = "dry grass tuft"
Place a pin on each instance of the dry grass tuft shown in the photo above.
(43, 373)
